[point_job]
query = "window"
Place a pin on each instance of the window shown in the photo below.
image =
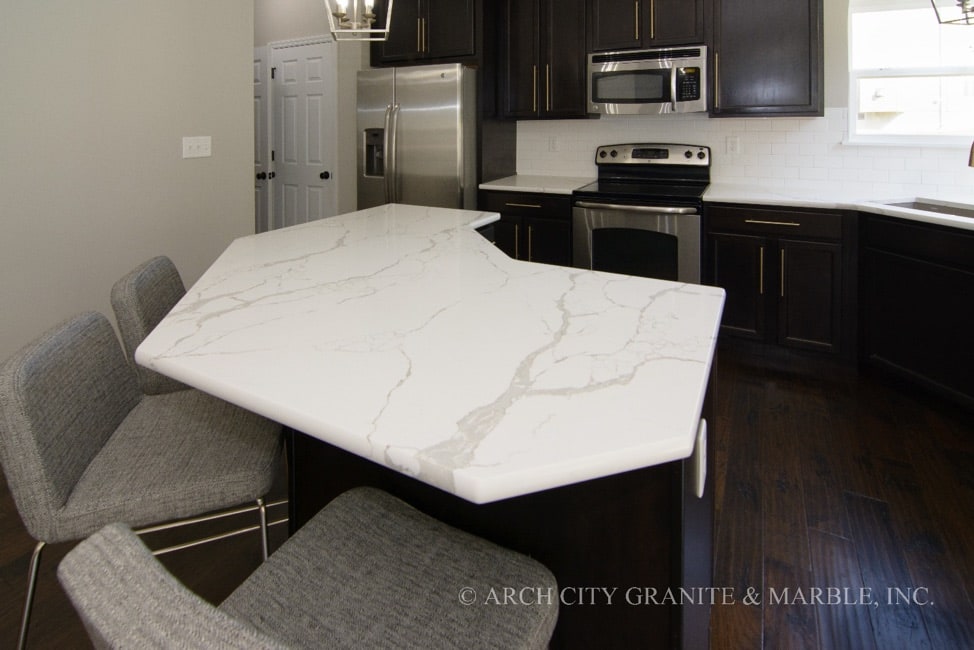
(911, 78)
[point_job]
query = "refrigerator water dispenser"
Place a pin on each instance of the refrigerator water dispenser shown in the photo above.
(374, 152)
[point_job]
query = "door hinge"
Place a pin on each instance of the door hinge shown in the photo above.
(273, 72)
(272, 155)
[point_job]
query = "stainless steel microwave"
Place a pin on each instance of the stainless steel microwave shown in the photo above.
(648, 82)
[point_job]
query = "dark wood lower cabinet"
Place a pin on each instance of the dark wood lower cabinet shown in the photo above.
(917, 292)
(809, 298)
(737, 263)
(533, 227)
(788, 274)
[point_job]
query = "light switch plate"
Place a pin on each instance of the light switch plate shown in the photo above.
(197, 146)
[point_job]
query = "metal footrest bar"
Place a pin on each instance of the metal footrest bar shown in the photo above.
(203, 518)
(214, 538)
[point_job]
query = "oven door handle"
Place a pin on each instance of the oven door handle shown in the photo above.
(657, 209)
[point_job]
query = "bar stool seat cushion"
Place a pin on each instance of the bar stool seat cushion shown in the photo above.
(369, 571)
(175, 455)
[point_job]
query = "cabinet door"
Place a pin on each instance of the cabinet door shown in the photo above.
(564, 58)
(809, 294)
(403, 42)
(615, 24)
(548, 240)
(916, 307)
(519, 94)
(674, 22)
(740, 266)
(768, 57)
(506, 232)
(449, 28)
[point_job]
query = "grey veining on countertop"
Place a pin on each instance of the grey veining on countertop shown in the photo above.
(400, 334)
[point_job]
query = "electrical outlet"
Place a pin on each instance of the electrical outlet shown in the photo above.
(733, 144)
(197, 146)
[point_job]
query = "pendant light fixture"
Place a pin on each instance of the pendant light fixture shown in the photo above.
(357, 20)
(954, 12)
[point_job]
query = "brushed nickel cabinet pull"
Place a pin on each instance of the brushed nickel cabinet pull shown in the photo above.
(522, 205)
(635, 5)
(426, 37)
(652, 19)
(772, 223)
(761, 272)
(547, 86)
(717, 80)
(419, 34)
(534, 88)
(782, 272)
(530, 247)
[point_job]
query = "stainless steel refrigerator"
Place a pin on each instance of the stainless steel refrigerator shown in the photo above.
(417, 136)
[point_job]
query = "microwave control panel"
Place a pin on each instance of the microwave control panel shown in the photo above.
(687, 84)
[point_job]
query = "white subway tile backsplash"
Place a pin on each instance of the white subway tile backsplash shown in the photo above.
(805, 153)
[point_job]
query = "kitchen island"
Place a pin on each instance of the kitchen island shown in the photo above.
(556, 411)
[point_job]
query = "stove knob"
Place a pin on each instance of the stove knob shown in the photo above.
(614, 153)
(701, 155)
(688, 154)
(602, 154)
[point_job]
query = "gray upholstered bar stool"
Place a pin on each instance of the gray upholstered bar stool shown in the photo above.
(82, 446)
(141, 299)
(368, 571)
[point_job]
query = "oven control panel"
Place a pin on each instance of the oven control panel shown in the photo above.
(653, 154)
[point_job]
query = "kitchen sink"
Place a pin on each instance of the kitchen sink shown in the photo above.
(940, 207)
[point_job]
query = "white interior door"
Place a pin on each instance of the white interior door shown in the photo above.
(304, 84)
(262, 159)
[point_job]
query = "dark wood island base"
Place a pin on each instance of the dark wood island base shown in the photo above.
(621, 546)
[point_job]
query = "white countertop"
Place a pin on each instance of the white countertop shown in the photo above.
(762, 195)
(734, 193)
(531, 183)
(401, 335)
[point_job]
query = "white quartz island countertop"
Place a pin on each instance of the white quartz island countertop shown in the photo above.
(399, 334)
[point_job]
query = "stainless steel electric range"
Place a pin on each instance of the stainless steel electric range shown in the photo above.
(642, 216)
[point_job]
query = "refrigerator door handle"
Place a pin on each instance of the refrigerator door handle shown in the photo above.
(387, 149)
(392, 155)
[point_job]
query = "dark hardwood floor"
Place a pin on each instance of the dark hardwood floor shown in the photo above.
(825, 479)
(849, 484)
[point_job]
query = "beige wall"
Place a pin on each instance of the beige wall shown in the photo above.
(287, 20)
(96, 98)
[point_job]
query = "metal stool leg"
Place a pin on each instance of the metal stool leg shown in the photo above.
(262, 513)
(35, 561)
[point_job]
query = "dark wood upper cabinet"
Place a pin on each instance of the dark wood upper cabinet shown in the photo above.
(543, 59)
(428, 30)
(767, 58)
(633, 24)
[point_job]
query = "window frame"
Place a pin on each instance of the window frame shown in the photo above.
(855, 75)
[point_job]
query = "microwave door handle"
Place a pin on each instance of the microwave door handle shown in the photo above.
(656, 209)
(673, 76)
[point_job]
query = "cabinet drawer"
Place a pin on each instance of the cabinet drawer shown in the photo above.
(806, 223)
(529, 204)
(951, 247)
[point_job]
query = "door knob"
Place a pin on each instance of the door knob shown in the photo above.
(262, 176)
(271, 174)
(324, 176)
